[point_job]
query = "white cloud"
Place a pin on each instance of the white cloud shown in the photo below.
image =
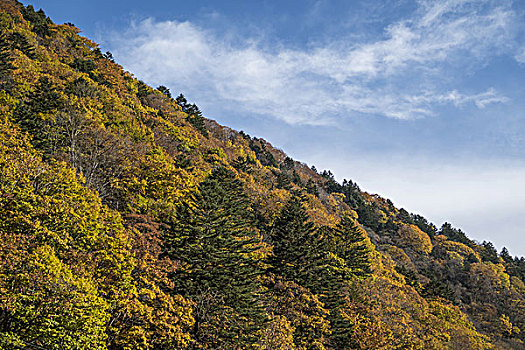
(520, 56)
(313, 86)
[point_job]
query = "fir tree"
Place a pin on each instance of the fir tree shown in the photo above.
(6, 66)
(196, 119)
(349, 239)
(34, 114)
(325, 260)
(182, 102)
(346, 258)
(215, 240)
(295, 244)
(194, 114)
(164, 90)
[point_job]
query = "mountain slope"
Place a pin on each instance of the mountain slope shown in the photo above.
(129, 221)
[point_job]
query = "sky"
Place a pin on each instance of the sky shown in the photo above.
(420, 101)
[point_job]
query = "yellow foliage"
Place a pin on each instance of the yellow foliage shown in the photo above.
(277, 335)
(455, 251)
(67, 259)
(411, 236)
(398, 255)
(492, 274)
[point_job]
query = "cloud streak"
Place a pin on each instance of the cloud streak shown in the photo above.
(401, 74)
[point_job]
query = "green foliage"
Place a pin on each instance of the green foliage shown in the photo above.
(6, 65)
(263, 155)
(164, 90)
(66, 264)
(38, 19)
(83, 65)
(194, 115)
(324, 260)
(215, 240)
(297, 252)
(311, 188)
(70, 313)
(36, 113)
(489, 252)
(348, 241)
(454, 234)
(423, 224)
(122, 227)
(48, 219)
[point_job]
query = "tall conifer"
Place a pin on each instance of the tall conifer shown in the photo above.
(215, 241)
(296, 243)
(347, 258)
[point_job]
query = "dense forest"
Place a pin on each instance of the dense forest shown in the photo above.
(130, 221)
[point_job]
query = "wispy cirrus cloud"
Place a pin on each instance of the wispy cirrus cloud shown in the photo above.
(406, 73)
(520, 55)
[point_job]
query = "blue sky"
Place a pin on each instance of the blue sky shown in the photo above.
(420, 101)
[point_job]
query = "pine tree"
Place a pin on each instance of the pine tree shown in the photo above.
(297, 260)
(215, 241)
(194, 114)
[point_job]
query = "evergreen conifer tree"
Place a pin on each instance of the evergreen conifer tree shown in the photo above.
(6, 65)
(33, 115)
(325, 260)
(296, 244)
(182, 102)
(164, 90)
(349, 244)
(196, 119)
(215, 240)
(347, 258)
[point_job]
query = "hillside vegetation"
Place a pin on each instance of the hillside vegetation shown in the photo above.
(129, 221)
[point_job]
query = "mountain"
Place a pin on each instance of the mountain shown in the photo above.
(130, 221)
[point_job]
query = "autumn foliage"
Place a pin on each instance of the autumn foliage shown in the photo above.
(130, 221)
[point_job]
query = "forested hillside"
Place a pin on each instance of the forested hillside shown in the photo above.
(129, 221)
